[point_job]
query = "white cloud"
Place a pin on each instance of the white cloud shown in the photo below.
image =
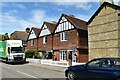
(21, 6)
(82, 5)
(50, 1)
(4, 4)
(60, 9)
(0, 22)
(38, 15)
(11, 12)
(8, 19)
(12, 23)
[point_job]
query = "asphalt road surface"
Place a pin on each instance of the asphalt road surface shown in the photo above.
(25, 71)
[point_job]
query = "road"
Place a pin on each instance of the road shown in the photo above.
(28, 71)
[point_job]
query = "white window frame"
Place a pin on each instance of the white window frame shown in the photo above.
(32, 42)
(63, 36)
(44, 40)
(63, 55)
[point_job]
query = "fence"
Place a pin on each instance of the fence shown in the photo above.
(33, 60)
(55, 63)
(51, 62)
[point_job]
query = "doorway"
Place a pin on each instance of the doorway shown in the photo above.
(73, 57)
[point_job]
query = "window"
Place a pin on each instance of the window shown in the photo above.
(44, 28)
(17, 50)
(63, 55)
(24, 42)
(117, 65)
(94, 63)
(32, 42)
(63, 36)
(107, 63)
(44, 40)
(32, 32)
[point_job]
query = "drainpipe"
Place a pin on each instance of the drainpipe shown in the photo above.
(37, 43)
(52, 47)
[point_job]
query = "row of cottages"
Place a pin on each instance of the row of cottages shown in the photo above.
(104, 32)
(62, 41)
(42, 39)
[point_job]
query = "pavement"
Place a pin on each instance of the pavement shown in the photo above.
(49, 67)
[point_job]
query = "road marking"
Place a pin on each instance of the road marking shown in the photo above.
(26, 74)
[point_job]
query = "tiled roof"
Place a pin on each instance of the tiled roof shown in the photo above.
(78, 23)
(36, 30)
(51, 26)
(20, 35)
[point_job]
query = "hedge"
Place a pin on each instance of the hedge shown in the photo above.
(32, 54)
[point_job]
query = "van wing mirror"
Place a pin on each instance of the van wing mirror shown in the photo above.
(8, 50)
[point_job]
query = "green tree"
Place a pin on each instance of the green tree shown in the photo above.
(5, 37)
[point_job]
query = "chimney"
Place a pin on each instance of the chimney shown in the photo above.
(27, 30)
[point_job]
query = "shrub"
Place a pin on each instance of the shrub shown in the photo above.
(32, 54)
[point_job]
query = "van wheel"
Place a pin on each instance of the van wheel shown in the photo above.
(6, 60)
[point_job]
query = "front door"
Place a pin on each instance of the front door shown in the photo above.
(73, 54)
(73, 57)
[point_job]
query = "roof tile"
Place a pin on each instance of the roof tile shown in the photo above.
(78, 23)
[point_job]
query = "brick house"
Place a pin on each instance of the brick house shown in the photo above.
(20, 35)
(32, 39)
(45, 41)
(70, 40)
(104, 32)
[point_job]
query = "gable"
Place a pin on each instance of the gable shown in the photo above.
(32, 35)
(105, 8)
(64, 24)
(107, 13)
(44, 31)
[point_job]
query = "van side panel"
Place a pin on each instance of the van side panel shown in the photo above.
(2, 49)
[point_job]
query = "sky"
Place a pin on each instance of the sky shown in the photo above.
(18, 15)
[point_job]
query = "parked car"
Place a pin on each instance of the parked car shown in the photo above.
(96, 69)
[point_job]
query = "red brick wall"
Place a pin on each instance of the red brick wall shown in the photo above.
(82, 55)
(72, 41)
(32, 47)
(56, 55)
(83, 39)
(47, 46)
(11, 38)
